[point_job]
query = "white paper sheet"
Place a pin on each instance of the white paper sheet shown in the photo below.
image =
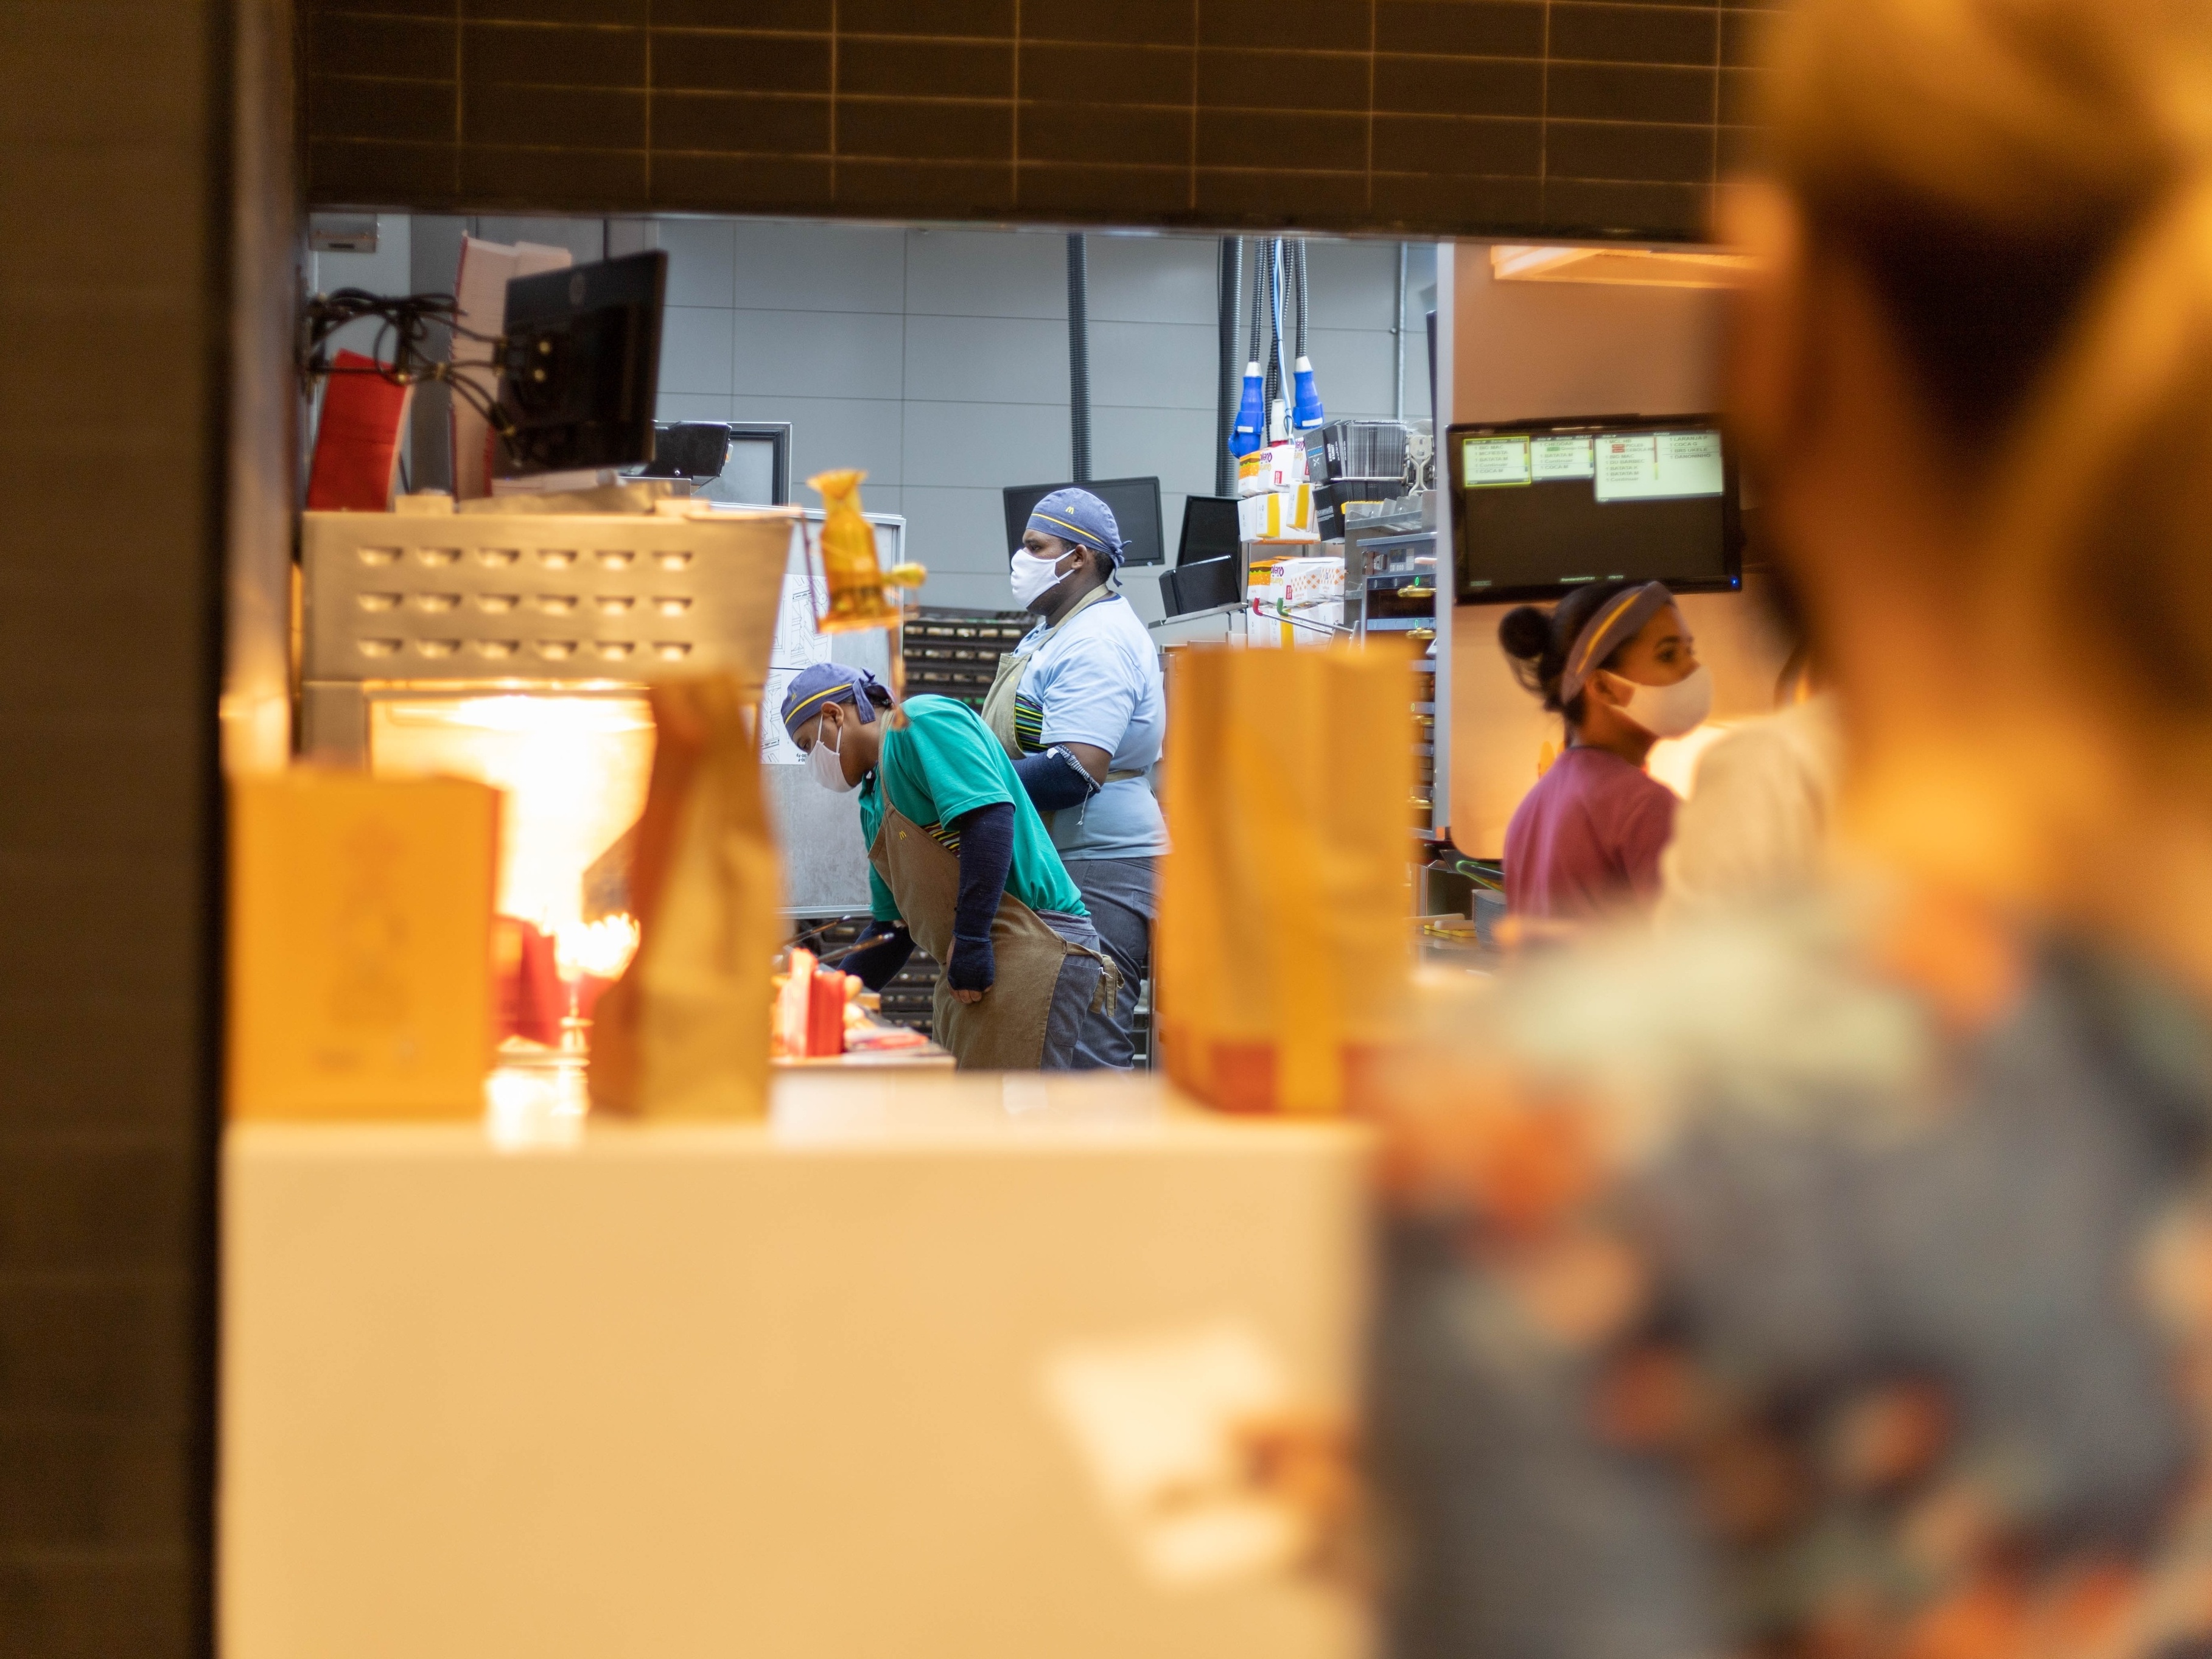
(1155, 1419)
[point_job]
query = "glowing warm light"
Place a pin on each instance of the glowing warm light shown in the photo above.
(602, 948)
(573, 769)
(535, 1106)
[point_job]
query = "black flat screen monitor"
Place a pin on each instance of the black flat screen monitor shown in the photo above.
(1209, 530)
(1200, 585)
(1540, 508)
(581, 366)
(1135, 503)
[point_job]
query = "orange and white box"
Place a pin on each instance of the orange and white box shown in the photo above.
(1275, 466)
(1280, 515)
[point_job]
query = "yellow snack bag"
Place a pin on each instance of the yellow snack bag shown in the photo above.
(849, 565)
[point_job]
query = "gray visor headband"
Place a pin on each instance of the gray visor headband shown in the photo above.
(1618, 620)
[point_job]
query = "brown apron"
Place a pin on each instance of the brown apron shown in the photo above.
(1004, 1031)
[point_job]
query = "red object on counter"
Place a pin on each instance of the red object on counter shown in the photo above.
(530, 998)
(825, 1015)
(357, 440)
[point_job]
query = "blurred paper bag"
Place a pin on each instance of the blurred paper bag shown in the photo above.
(684, 1032)
(360, 913)
(1284, 958)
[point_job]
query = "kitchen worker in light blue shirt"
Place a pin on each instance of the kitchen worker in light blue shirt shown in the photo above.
(1078, 706)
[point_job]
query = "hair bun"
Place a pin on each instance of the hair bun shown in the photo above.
(1525, 632)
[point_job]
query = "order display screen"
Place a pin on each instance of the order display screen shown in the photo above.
(1537, 511)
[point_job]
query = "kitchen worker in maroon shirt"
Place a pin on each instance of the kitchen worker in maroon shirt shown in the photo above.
(1615, 661)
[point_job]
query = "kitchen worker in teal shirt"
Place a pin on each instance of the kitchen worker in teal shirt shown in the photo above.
(959, 863)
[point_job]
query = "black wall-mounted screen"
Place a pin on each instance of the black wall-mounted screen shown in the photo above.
(1211, 530)
(581, 366)
(1136, 506)
(1540, 508)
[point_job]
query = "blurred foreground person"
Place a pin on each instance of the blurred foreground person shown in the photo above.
(1839, 1282)
(1756, 825)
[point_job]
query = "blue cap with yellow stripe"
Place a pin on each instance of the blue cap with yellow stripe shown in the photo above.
(830, 682)
(1079, 516)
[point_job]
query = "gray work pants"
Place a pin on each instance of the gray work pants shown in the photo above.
(1118, 893)
(1072, 994)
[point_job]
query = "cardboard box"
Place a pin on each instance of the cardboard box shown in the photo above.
(1280, 515)
(1308, 589)
(360, 945)
(1277, 466)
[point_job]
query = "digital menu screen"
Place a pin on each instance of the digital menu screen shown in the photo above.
(1538, 511)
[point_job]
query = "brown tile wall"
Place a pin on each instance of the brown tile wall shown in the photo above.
(1424, 117)
(109, 446)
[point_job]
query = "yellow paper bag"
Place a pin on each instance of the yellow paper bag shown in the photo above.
(684, 1032)
(360, 981)
(1282, 961)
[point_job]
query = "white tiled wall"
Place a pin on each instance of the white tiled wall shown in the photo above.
(938, 360)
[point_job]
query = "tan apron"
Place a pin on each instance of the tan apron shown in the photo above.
(1006, 687)
(1004, 1031)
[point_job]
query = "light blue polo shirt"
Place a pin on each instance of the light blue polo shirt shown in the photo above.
(1095, 679)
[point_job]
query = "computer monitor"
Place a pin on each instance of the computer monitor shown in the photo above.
(1209, 529)
(1540, 508)
(1136, 507)
(581, 366)
(1203, 585)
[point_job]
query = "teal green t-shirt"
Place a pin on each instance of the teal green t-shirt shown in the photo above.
(944, 765)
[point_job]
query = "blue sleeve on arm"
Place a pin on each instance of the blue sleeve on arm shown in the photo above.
(986, 858)
(1054, 778)
(878, 954)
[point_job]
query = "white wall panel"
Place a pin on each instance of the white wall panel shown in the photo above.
(986, 273)
(984, 446)
(986, 360)
(1153, 366)
(833, 432)
(702, 260)
(1154, 279)
(694, 349)
(692, 406)
(818, 354)
(786, 266)
(937, 360)
(1352, 284)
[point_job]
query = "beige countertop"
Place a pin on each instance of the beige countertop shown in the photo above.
(773, 1388)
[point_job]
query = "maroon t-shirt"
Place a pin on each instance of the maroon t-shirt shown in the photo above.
(1588, 838)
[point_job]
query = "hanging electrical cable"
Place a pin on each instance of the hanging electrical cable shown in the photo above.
(1252, 414)
(1307, 412)
(1278, 378)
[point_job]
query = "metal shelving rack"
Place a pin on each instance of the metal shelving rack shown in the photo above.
(1392, 566)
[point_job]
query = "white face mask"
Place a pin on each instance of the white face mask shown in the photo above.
(828, 764)
(1669, 711)
(1033, 578)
